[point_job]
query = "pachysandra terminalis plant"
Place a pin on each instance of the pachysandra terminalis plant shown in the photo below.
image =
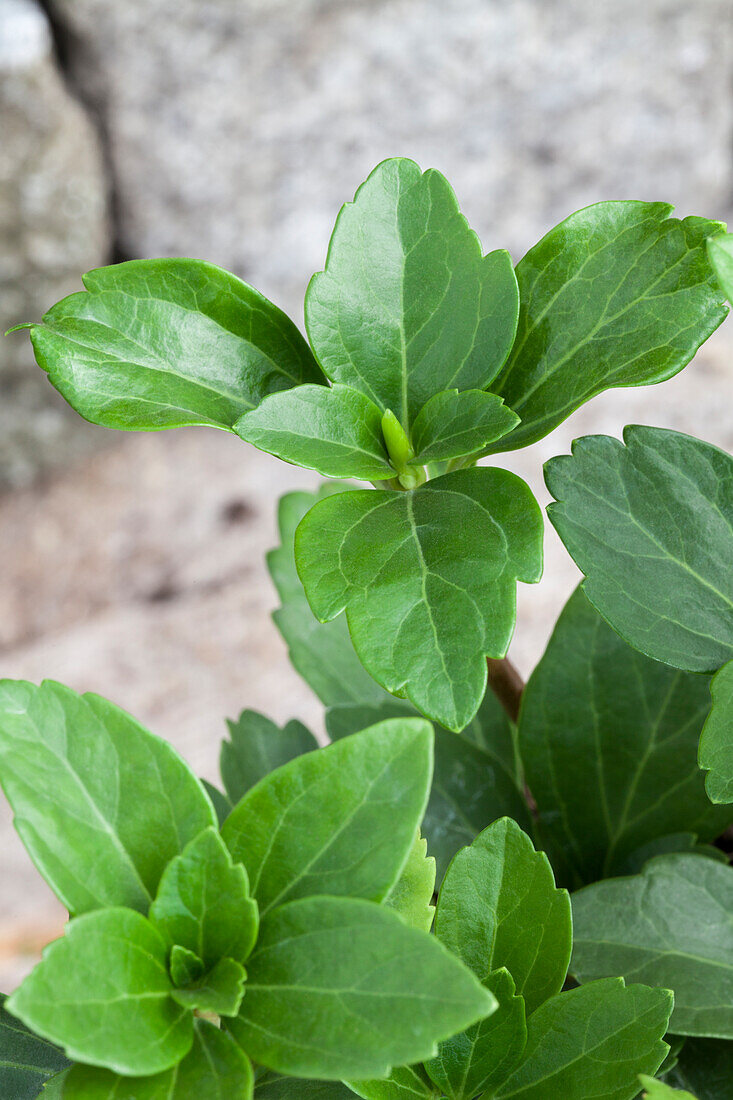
(279, 936)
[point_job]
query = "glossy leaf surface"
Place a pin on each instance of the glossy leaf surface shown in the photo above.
(342, 988)
(618, 294)
(26, 1060)
(716, 742)
(102, 992)
(592, 1041)
(669, 926)
(100, 803)
(256, 747)
(404, 1083)
(407, 305)
(499, 907)
(339, 821)
(456, 423)
(651, 526)
(163, 343)
(609, 742)
(428, 580)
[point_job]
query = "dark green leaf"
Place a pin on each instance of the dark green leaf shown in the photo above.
(483, 1057)
(338, 821)
(203, 902)
(412, 894)
(342, 988)
(618, 294)
(222, 806)
(407, 305)
(609, 740)
(428, 580)
(720, 253)
(499, 907)
(220, 991)
(657, 1090)
(256, 748)
(716, 741)
(404, 1083)
(706, 1068)
(453, 424)
(651, 526)
(671, 844)
(592, 1042)
(101, 804)
(295, 1088)
(215, 1069)
(164, 343)
(26, 1060)
(336, 431)
(669, 926)
(102, 992)
(321, 653)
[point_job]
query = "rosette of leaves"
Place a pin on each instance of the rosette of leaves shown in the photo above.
(424, 355)
(299, 927)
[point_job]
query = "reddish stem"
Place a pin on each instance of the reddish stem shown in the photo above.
(506, 684)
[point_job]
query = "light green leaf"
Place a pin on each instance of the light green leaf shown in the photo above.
(100, 803)
(474, 779)
(720, 253)
(499, 907)
(53, 1089)
(407, 305)
(184, 966)
(220, 991)
(102, 992)
(716, 740)
(651, 526)
(592, 1041)
(669, 926)
(203, 902)
(257, 747)
(618, 294)
(609, 740)
(215, 1069)
(482, 1057)
(338, 821)
(404, 1083)
(157, 344)
(26, 1060)
(706, 1068)
(336, 431)
(342, 988)
(412, 894)
(321, 653)
(428, 580)
(453, 424)
(657, 1090)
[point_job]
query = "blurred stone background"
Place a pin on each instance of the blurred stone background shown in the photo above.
(233, 130)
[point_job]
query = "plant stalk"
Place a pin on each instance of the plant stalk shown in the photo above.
(506, 684)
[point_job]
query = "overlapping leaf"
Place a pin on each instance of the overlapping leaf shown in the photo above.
(26, 1060)
(651, 526)
(716, 741)
(705, 1067)
(720, 251)
(456, 423)
(256, 747)
(404, 1083)
(428, 580)
(618, 294)
(412, 894)
(658, 1090)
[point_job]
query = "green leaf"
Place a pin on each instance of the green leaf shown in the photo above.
(657, 1090)
(336, 431)
(428, 580)
(26, 1060)
(720, 254)
(321, 653)
(342, 988)
(222, 806)
(453, 424)
(407, 305)
(100, 803)
(294, 1088)
(157, 344)
(412, 894)
(618, 294)
(203, 902)
(482, 1057)
(706, 1068)
(220, 991)
(716, 740)
(54, 1087)
(671, 844)
(609, 741)
(669, 926)
(215, 1069)
(102, 992)
(185, 967)
(404, 1083)
(474, 778)
(257, 747)
(592, 1041)
(651, 526)
(338, 821)
(499, 907)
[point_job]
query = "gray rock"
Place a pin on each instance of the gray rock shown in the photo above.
(237, 129)
(53, 226)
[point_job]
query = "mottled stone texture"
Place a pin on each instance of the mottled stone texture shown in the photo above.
(53, 226)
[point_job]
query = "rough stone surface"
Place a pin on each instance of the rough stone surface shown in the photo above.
(237, 129)
(53, 226)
